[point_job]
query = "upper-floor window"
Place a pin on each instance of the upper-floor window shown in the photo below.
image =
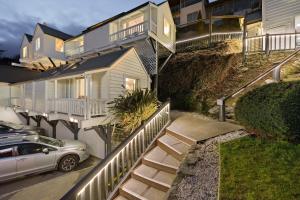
(59, 45)
(37, 44)
(167, 28)
(25, 52)
(194, 16)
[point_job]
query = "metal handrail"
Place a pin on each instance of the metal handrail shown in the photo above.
(222, 101)
(147, 132)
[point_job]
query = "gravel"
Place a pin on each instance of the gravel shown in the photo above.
(198, 176)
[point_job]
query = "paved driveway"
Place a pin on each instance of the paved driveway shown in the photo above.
(46, 186)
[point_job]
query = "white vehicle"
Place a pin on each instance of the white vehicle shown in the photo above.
(31, 154)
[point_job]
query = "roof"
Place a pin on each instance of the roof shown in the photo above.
(99, 62)
(55, 33)
(29, 37)
(10, 74)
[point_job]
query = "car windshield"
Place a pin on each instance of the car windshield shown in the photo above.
(51, 141)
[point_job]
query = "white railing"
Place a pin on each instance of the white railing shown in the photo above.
(16, 102)
(272, 42)
(80, 107)
(74, 51)
(104, 179)
(129, 32)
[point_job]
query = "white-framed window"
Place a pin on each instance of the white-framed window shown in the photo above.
(25, 52)
(167, 28)
(194, 16)
(37, 44)
(59, 45)
(80, 88)
(131, 84)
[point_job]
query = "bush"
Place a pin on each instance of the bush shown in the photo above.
(273, 110)
(133, 108)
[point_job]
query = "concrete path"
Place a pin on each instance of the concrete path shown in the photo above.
(199, 127)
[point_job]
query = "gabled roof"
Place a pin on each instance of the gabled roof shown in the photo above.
(53, 32)
(10, 74)
(29, 37)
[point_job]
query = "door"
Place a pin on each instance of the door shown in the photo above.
(8, 166)
(31, 158)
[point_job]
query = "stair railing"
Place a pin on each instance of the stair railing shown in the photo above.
(103, 180)
(276, 76)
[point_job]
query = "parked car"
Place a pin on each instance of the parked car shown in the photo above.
(11, 128)
(32, 154)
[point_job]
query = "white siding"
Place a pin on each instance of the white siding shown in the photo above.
(49, 48)
(97, 38)
(40, 92)
(130, 66)
(279, 15)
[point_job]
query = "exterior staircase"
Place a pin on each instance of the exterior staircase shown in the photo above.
(153, 176)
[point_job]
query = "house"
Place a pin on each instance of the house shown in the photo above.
(187, 11)
(44, 49)
(280, 16)
(83, 73)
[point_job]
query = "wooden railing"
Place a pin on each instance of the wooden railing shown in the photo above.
(129, 32)
(97, 107)
(205, 40)
(103, 180)
(272, 42)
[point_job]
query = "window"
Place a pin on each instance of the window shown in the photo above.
(6, 152)
(167, 28)
(59, 45)
(37, 44)
(130, 84)
(194, 16)
(24, 53)
(80, 88)
(30, 148)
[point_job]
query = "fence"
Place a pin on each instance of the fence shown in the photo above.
(102, 181)
(204, 41)
(272, 42)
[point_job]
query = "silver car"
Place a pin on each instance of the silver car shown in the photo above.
(31, 154)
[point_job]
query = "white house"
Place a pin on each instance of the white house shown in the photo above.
(281, 16)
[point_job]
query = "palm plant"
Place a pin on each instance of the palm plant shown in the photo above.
(131, 109)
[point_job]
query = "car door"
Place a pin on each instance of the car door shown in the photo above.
(8, 164)
(31, 158)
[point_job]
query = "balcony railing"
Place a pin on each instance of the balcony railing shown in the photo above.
(103, 180)
(130, 32)
(74, 51)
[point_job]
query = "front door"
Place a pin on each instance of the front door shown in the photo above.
(31, 158)
(8, 166)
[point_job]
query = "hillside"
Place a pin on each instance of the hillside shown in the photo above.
(195, 80)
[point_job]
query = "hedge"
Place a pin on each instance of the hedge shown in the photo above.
(273, 110)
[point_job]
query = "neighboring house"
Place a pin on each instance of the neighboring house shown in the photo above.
(44, 49)
(281, 16)
(187, 11)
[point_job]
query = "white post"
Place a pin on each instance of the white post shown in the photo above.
(46, 97)
(33, 96)
(87, 106)
(55, 96)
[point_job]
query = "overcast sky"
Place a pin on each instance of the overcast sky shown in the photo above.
(71, 16)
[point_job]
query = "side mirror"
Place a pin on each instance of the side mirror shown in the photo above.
(45, 150)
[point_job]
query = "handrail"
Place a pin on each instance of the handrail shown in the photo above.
(276, 34)
(140, 139)
(221, 102)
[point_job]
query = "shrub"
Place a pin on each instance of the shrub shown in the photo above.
(133, 108)
(273, 110)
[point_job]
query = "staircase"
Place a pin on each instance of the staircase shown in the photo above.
(153, 177)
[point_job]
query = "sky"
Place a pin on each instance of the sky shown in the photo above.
(71, 16)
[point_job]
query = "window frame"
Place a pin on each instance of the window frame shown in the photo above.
(193, 15)
(38, 44)
(62, 48)
(31, 143)
(164, 27)
(26, 52)
(136, 84)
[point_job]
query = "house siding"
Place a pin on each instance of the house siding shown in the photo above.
(130, 66)
(279, 15)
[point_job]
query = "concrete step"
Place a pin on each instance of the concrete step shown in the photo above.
(173, 146)
(161, 160)
(136, 190)
(180, 136)
(120, 198)
(153, 177)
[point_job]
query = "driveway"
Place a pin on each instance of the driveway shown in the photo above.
(46, 186)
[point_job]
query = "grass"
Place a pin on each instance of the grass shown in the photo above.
(253, 169)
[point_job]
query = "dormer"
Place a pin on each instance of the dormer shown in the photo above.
(45, 49)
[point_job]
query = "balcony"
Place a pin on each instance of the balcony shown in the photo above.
(131, 32)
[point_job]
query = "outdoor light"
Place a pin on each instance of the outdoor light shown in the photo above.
(26, 111)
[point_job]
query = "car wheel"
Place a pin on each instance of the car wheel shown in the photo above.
(68, 163)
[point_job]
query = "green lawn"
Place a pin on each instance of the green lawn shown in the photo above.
(259, 170)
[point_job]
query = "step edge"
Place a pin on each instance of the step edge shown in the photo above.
(192, 140)
(131, 193)
(164, 165)
(170, 135)
(171, 148)
(153, 180)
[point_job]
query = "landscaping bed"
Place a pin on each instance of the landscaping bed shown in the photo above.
(252, 168)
